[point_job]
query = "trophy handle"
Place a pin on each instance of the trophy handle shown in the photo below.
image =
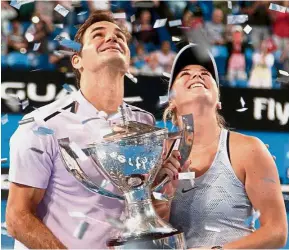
(183, 142)
(72, 166)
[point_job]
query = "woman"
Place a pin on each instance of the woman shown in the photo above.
(235, 173)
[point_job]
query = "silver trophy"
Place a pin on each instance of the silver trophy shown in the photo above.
(130, 156)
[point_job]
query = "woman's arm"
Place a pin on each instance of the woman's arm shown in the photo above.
(264, 191)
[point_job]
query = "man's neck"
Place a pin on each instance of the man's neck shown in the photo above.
(104, 89)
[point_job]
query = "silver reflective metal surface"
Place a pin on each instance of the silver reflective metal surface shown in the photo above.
(130, 157)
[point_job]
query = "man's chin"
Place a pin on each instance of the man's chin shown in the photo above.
(117, 62)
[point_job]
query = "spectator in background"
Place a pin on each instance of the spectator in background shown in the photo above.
(263, 60)
(152, 68)
(165, 56)
(280, 26)
(196, 20)
(259, 20)
(16, 40)
(215, 29)
(143, 29)
(236, 64)
(284, 58)
(140, 60)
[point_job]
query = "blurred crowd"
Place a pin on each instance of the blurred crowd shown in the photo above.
(244, 58)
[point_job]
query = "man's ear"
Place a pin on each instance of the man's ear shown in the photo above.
(76, 62)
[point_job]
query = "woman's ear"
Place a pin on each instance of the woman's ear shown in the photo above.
(219, 105)
(76, 62)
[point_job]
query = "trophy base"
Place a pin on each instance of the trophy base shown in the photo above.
(174, 240)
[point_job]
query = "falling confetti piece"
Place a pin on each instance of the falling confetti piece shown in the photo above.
(70, 44)
(35, 70)
(82, 13)
(60, 25)
(283, 72)
(36, 46)
(90, 119)
(168, 75)
(214, 229)
(160, 196)
(80, 230)
(247, 29)
(37, 150)
(133, 99)
(160, 23)
(176, 39)
(18, 3)
(28, 120)
(242, 102)
(175, 23)
(269, 180)
(4, 119)
(119, 15)
(61, 10)
(67, 88)
(277, 7)
(132, 18)
(25, 104)
(241, 110)
(63, 53)
(43, 131)
(59, 38)
(131, 77)
(236, 19)
(186, 176)
(230, 4)
(4, 160)
(78, 151)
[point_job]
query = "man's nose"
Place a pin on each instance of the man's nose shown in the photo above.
(111, 37)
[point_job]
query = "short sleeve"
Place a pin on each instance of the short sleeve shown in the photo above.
(31, 160)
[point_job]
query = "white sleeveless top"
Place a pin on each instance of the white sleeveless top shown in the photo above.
(214, 210)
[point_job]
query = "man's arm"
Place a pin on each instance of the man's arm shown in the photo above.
(22, 223)
(264, 191)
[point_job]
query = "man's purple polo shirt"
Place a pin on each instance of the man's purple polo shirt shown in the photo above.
(64, 194)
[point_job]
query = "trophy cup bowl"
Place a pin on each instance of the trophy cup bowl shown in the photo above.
(130, 157)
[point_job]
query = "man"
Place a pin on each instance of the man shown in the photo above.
(43, 194)
(235, 173)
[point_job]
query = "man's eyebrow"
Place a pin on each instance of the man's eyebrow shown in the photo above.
(103, 28)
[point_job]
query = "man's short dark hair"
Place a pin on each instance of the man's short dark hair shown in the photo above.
(96, 16)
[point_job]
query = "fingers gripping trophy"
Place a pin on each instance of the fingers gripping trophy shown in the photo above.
(130, 155)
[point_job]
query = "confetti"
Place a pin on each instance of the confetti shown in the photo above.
(176, 39)
(119, 15)
(67, 88)
(160, 196)
(160, 23)
(80, 230)
(78, 151)
(131, 77)
(28, 120)
(133, 99)
(4, 119)
(277, 7)
(186, 176)
(82, 13)
(43, 131)
(236, 19)
(35, 70)
(25, 104)
(37, 150)
(59, 38)
(175, 23)
(70, 44)
(283, 79)
(242, 102)
(36, 46)
(269, 180)
(18, 3)
(284, 73)
(247, 29)
(61, 10)
(230, 4)
(241, 110)
(214, 229)
(168, 75)
(60, 25)
(132, 18)
(4, 160)
(90, 119)
(63, 53)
